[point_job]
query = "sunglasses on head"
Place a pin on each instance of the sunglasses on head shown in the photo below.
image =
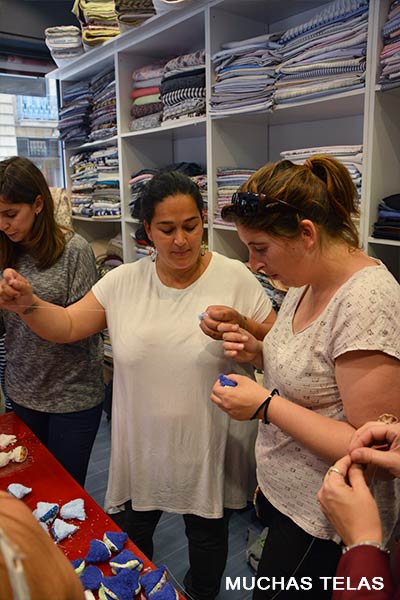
(249, 203)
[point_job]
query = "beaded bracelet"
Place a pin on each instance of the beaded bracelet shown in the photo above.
(366, 543)
(265, 405)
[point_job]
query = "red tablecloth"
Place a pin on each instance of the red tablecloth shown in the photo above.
(50, 482)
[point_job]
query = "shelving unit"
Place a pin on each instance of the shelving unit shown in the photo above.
(367, 116)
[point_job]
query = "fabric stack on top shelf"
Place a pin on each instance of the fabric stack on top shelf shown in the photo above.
(74, 115)
(103, 117)
(326, 55)
(390, 53)
(350, 156)
(64, 43)
(183, 86)
(388, 224)
(146, 110)
(229, 179)
(95, 184)
(98, 21)
(132, 13)
(245, 74)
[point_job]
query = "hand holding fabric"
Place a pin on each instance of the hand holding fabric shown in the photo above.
(349, 505)
(15, 292)
(242, 401)
(215, 315)
(385, 454)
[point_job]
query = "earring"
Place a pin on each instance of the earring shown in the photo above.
(153, 254)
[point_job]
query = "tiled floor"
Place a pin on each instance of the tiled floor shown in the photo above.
(170, 542)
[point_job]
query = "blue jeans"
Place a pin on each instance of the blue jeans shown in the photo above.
(68, 436)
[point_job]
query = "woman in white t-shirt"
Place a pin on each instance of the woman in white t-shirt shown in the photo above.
(331, 360)
(172, 449)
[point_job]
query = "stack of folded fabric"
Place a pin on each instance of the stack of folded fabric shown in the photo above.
(106, 201)
(83, 179)
(201, 181)
(229, 179)
(132, 13)
(98, 21)
(64, 42)
(388, 224)
(245, 74)
(325, 55)
(350, 156)
(136, 184)
(73, 122)
(183, 86)
(390, 53)
(146, 110)
(95, 184)
(103, 117)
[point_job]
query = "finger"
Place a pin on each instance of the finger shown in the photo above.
(235, 336)
(388, 460)
(368, 434)
(219, 314)
(339, 469)
(210, 332)
(8, 292)
(356, 477)
(233, 347)
(228, 327)
(18, 284)
(10, 274)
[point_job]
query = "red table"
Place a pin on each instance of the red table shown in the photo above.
(50, 482)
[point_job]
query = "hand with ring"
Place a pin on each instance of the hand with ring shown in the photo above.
(346, 501)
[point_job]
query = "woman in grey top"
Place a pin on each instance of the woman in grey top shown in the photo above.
(57, 390)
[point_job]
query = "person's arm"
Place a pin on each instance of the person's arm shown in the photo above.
(49, 321)
(360, 564)
(215, 315)
(346, 501)
(47, 571)
(361, 376)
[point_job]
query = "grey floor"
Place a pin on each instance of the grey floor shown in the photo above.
(169, 542)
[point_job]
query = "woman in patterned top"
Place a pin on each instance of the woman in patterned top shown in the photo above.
(331, 360)
(57, 390)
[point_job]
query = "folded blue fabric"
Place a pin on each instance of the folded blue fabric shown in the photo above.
(123, 586)
(115, 540)
(98, 552)
(78, 564)
(126, 560)
(153, 581)
(91, 578)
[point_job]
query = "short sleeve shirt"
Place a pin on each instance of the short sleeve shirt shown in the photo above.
(364, 314)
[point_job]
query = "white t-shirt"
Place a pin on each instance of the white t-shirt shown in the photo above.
(172, 448)
(364, 314)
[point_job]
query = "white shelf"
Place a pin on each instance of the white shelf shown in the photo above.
(93, 145)
(383, 242)
(248, 139)
(95, 219)
(182, 128)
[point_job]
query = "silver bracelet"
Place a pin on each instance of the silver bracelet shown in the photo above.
(366, 543)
